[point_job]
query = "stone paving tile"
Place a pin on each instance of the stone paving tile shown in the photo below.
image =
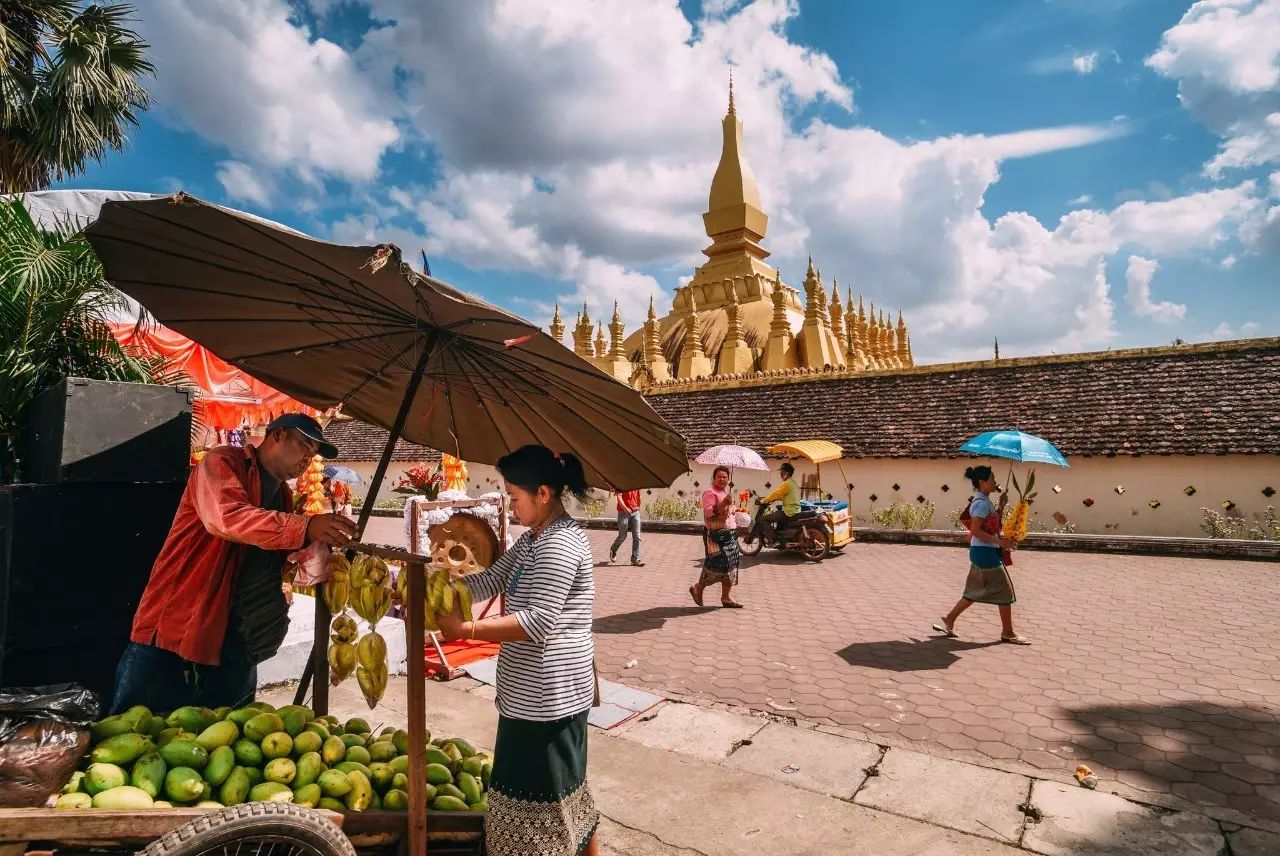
(823, 762)
(1150, 666)
(1076, 821)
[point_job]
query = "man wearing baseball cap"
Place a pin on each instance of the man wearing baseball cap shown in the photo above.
(213, 608)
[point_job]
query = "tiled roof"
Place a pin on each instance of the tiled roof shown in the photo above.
(1190, 400)
(360, 441)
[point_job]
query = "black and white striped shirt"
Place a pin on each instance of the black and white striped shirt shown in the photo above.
(550, 590)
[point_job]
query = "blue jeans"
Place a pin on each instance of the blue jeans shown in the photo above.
(162, 680)
(627, 523)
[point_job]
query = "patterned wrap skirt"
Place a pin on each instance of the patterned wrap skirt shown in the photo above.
(539, 803)
(988, 580)
(722, 557)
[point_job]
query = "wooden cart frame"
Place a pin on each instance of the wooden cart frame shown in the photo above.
(820, 452)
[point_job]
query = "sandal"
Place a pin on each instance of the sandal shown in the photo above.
(730, 604)
(1016, 640)
(941, 627)
(693, 593)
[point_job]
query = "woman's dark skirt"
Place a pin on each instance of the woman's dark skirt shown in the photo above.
(988, 580)
(539, 803)
(722, 558)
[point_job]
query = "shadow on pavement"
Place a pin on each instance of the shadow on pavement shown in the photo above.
(1208, 753)
(645, 619)
(915, 655)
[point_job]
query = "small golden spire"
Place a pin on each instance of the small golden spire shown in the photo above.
(652, 315)
(557, 326)
(732, 111)
(616, 349)
(600, 343)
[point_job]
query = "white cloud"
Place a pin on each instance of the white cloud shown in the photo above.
(243, 74)
(1228, 262)
(1225, 55)
(1225, 331)
(1085, 63)
(243, 182)
(1138, 276)
(1082, 199)
(1079, 62)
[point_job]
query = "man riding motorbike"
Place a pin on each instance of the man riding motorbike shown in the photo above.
(789, 493)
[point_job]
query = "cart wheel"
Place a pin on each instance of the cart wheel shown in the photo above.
(817, 546)
(750, 544)
(278, 829)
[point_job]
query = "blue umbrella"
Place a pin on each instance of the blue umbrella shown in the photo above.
(1016, 445)
(343, 474)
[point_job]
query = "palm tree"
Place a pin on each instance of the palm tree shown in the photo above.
(70, 86)
(54, 313)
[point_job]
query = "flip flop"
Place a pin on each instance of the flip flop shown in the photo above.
(941, 627)
(730, 604)
(1015, 640)
(694, 594)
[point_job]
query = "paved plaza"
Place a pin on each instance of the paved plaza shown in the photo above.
(1160, 673)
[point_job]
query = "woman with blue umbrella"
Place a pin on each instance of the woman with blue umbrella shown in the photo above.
(988, 580)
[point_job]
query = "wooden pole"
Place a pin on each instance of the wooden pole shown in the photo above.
(319, 665)
(415, 640)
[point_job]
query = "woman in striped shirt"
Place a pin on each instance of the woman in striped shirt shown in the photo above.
(539, 804)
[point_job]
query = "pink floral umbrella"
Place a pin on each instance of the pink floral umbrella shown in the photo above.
(739, 457)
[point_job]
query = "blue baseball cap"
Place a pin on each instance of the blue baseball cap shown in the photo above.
(308, 428)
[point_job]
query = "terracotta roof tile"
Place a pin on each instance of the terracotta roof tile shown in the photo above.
(1167, 402)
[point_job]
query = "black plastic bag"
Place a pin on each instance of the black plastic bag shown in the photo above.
(44, 732)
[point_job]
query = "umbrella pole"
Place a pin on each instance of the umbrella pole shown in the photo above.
(319, 663)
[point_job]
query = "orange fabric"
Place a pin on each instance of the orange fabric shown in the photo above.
(231, 397)
(187, 602)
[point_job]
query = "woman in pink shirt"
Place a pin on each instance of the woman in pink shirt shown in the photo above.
(720, 541)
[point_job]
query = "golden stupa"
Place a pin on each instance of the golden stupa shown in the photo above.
(737, 318)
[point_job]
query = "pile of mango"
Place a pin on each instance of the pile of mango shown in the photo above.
(214, 758)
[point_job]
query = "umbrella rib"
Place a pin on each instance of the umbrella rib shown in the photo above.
(315, 347)
(403, 319)
(371, 376)
(515, 411)
(252, 227)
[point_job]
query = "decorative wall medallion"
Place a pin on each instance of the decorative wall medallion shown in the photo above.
(829, 496)
(849, 486)
(1227, 505)
(695, 484)
(1154, 503)
(679, 493)
(920, 499)
(768, 485)
(897, 487)
(1057, 488)
(1120, 489)
(1268, 492)
(1088, 503)
(946, 487)
(873, 497)
(1189, 490)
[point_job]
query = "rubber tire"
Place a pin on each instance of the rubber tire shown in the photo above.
(820, 552)
(295, 824)
(752, 547)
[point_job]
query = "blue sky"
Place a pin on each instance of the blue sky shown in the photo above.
(1065, 174)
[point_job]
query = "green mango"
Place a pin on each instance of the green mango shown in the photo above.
(310, 766)
(135, 715)
(360, 797)
(307, 741)
(330, 804)
(333, 750)
(438, 774)
(151, 726)
(260, 726)
(430, 791)
(382, 750)
(270, 792)
(470, 787)
(353, 766)
(435, 756)
(74, 800)
(482, 805)
(375, 802)
(359, 754)
(148, 774)
(474, 765)
(184, 785)
(222, 712)
(280, 770)
(455, 756)
(487, 774)
(184, 753)
(307, 795)
(381, 776)
(464, 748)
(222, 761)
(356, 725)
(317, 727)
(102, 777)
(255, 775)
(277, 744)
(221, 733)
(192, 718)
(331, 722)
(162, 804)
(209, 804)
(396, 800)
(262, 706)
(124, 797)
(206, 793)
(350, 740)
(400, 764)
(248, 753)
(110, 727)
(449, 804)
(122, 749)
(399, 782)
(168, 736)
(74, 784)
(400, 740)
(241, 716)
(295, 718)
(334, 783)
(236, 787)
(447, 790)
(386, 732)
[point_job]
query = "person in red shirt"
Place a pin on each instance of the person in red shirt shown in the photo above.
(213, 608)
(628, 521)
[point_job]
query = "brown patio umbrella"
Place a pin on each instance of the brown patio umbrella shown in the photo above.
(355, 326)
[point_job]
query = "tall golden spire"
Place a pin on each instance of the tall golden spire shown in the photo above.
(615, 335)
(557, 326)
(837, 317)
(582, 334)
(904, 352)
(600, 343)
(653, 356)
(735, 220)
(694, 362)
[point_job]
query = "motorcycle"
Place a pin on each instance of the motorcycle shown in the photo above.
(807, 532)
